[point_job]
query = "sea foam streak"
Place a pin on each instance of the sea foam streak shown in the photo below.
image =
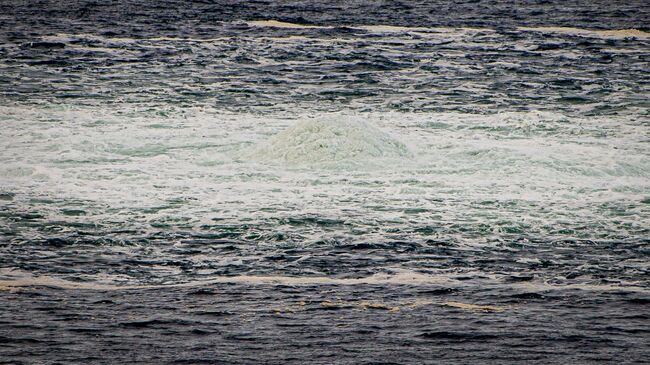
(387, 29)
(12, 279)
(593, 33)
(375, 28)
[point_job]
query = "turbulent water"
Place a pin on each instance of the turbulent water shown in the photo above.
(306, 182)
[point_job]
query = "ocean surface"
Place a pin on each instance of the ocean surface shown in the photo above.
(340, 182)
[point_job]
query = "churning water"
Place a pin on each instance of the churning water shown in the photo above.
(293, 182)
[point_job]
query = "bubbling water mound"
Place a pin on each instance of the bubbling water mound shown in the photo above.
(332, 143)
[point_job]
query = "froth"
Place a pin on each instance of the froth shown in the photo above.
(331, 142)
(592, 33)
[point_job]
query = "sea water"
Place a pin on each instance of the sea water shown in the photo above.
(402, 183)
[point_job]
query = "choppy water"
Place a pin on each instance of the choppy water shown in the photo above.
(344, 183)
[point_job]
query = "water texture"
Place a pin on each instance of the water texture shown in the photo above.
(349, 182)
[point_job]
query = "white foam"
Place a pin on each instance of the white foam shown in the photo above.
(15, 279)
(592, 33)
(331, 141)
(279, 24)
(371, 28)
(547, 168)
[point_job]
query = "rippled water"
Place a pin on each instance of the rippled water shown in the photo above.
(398, 183)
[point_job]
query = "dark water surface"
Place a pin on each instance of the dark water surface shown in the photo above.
(321, 324)
(324, 182)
